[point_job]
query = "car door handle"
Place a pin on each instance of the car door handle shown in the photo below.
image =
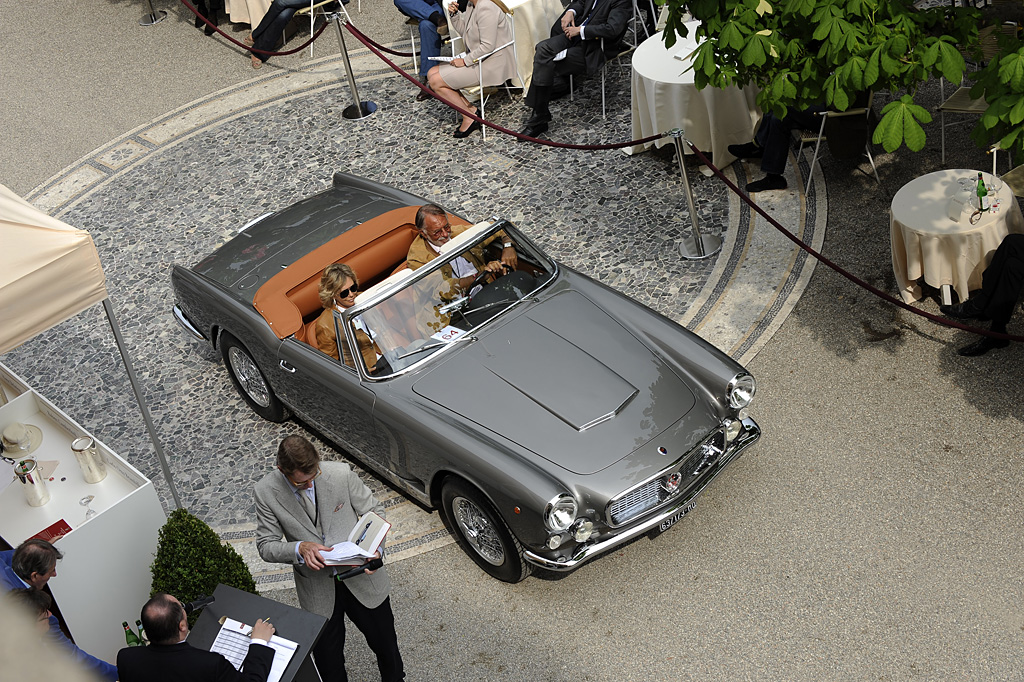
(286, 367)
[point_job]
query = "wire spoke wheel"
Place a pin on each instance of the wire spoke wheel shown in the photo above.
(249, 376)
(477, 529)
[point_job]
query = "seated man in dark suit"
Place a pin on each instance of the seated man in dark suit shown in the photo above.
(169, 657)
(1001, 284)
(574, 48)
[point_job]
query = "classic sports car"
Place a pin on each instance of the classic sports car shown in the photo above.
(549, 417)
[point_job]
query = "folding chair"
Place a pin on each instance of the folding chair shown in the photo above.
(604, 68)
(806, 138)
(317, 9)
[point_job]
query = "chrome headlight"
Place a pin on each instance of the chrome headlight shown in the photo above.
(741, 390)
(560, 512)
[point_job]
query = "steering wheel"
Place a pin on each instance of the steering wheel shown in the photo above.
(482, 275)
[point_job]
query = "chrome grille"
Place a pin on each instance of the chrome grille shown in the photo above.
(668, 483)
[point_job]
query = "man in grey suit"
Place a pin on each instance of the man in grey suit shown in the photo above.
(314, 505)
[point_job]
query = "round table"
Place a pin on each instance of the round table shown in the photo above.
(927, 244)
(664, 97)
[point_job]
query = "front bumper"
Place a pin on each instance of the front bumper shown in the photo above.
(751, 433)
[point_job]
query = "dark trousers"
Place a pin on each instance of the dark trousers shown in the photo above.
(266, 35)
(545, 69)
(774, 133)
(377, 626)
(1002, 281)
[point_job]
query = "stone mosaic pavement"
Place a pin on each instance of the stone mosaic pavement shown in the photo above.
(173, 190)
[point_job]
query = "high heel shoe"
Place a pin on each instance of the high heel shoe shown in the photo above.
(476, 125)
(248, 40)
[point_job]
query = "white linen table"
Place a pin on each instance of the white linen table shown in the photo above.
(246, 11)
(928, 245)
(664, 97)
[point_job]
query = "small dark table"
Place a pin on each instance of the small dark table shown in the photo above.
(291, 623)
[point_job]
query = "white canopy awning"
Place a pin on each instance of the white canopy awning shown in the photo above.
(51, 271)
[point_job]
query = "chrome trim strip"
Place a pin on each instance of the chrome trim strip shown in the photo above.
(585, 553)
(179, 315)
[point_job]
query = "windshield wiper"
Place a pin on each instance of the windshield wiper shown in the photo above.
(429, 346)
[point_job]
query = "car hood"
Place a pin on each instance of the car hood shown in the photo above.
(565, 381)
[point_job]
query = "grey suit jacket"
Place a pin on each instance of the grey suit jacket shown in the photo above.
(341, 498)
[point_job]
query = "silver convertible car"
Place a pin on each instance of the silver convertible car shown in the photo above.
(548, 417)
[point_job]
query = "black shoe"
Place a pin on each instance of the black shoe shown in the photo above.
(537, 118)
(766, 183)
(965, 310)
(535, 128)
(746, 151)
(982, 346)
(423, 95)
(475, 125)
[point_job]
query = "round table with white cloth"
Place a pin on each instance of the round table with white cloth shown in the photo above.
(927, 244)
(664, 97)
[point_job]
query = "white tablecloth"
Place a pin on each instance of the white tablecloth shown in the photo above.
(664, 97)
(246, 11)
(927, 244)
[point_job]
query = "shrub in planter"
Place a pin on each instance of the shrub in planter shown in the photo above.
(191, 561)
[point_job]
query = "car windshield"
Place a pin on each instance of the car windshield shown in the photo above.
(414, 314)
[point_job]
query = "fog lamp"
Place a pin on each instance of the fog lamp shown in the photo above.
(732, 429)
(555, 541)
(584, 529)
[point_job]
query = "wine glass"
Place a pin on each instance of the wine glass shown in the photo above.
(85, 501)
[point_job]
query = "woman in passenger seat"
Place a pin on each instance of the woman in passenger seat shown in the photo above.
(338, 289)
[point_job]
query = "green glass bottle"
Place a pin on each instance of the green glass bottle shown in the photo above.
(142, 632)
(130, 637)
(983, 204)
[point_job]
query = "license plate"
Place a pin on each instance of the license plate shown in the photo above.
(672, 520)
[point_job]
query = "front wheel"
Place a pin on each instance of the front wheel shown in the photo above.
(481, 532)
(249, 380)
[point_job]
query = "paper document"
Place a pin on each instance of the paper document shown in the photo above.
(233, 644)
(363, 542)
(448, 59)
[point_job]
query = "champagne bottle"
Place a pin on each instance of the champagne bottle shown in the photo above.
(983, 204)
(142, 632)
(130, 637)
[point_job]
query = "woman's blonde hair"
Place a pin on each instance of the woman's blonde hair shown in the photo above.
(334, 276)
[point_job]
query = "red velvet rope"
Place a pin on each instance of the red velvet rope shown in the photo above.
(853, 278)
(249, 48)
(617, 145)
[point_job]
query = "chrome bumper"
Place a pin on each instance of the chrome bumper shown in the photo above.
(186, 325)
(750, 434)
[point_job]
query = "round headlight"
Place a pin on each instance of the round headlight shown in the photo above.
(741, 390)
(560, 512)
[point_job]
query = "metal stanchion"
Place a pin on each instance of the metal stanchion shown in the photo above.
(154, 17)
(360, 109)
(697, 245)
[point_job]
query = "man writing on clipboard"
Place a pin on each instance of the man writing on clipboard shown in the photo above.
(170, 657)
(314, 505)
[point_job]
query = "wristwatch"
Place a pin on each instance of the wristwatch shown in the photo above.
(507, 245)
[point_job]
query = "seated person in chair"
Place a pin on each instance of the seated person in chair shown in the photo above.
(338, 289)
(433, 24)
(574, 48)
(484, 27)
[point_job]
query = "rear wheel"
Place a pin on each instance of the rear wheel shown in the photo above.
(482, 533)
(249, 380)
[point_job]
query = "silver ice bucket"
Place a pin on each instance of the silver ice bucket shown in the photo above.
(32, 482)
(90, 460)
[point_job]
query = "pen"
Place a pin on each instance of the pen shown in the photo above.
(362, 535)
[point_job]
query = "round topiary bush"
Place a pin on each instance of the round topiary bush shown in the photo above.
(191, 561)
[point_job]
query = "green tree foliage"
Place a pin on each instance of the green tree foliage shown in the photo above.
(805, 52)
(191, 560)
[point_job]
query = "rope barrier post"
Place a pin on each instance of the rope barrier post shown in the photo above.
(697, 245)
(360, 109)
(153, 17)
